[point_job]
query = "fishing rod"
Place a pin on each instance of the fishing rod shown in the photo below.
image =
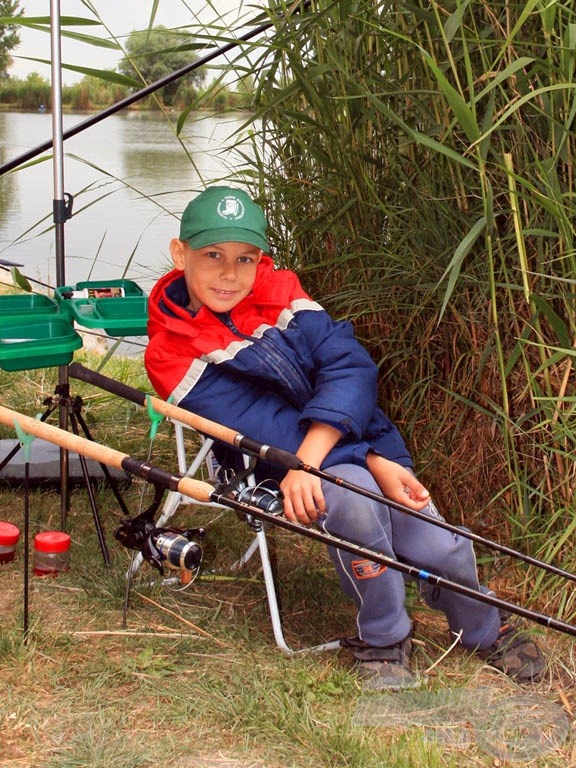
(287, 460)
(6, 263)
(146, 91)
(136, 532)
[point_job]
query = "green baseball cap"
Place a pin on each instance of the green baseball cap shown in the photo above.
(224, 215)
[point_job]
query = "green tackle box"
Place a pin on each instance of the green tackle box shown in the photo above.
(120, 307)
(27, 305)
(38, 342)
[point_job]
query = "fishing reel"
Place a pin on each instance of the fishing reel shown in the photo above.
(262, 496)
(180, 548)
(174, 548)
(266, 496)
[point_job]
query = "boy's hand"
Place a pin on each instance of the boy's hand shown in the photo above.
(303, 497)
(397, 483)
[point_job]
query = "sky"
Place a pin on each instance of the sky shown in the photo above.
(121, 17)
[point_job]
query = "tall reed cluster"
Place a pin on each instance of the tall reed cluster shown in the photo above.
(417, 164)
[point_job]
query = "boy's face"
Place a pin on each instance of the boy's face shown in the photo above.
(217, 276)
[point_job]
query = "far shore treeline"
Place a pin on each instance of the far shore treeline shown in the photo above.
(92, 93)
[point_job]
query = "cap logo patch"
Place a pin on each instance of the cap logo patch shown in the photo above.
(231, 208)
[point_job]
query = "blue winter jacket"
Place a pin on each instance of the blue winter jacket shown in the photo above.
(268, 368)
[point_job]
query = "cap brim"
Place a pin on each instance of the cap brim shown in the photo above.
(228, 235)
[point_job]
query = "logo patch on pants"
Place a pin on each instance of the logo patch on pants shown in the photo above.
(367, 569)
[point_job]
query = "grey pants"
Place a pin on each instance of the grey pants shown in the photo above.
(379, 592)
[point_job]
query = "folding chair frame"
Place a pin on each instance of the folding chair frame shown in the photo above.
(175, 499)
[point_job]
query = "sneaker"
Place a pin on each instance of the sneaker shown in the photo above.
(382, 668)
(515, 653)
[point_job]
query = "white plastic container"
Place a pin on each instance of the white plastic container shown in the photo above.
(105, 292)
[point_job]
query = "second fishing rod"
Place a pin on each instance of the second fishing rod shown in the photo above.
(289, 461)
(140, 532)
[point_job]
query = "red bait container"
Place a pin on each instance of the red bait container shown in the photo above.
(51, 553)
(9, 535)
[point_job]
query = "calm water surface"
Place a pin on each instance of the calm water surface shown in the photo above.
(130, 179)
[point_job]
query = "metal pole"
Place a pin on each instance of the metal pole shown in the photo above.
(57, 140)
(61, 212)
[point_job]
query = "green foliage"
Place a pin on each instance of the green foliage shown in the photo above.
(34, 91)
(9, 37)
(99, 92)
(417, 163)
(154, 54)
(26, 94)
(219, 97)
(92, 92)
(20, 280)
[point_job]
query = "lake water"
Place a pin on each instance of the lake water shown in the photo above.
(130, 178)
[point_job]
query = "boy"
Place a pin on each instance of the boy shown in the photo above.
(241, 343)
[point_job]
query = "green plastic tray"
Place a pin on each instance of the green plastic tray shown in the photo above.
(27, 305)
(36, 343)
(120, 316)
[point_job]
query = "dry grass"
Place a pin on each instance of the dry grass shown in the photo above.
(195, 675)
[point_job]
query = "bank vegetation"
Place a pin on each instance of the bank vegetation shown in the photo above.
(417, 160)
(94, 93)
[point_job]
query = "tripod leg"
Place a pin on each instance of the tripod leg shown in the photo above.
(129, 577)
(26, 551)
(91, 496)
(8, 458)
(107, 474)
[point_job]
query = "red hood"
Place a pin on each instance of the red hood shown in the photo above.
(273, 289)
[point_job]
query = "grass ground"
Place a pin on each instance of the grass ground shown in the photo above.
(191, 676)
